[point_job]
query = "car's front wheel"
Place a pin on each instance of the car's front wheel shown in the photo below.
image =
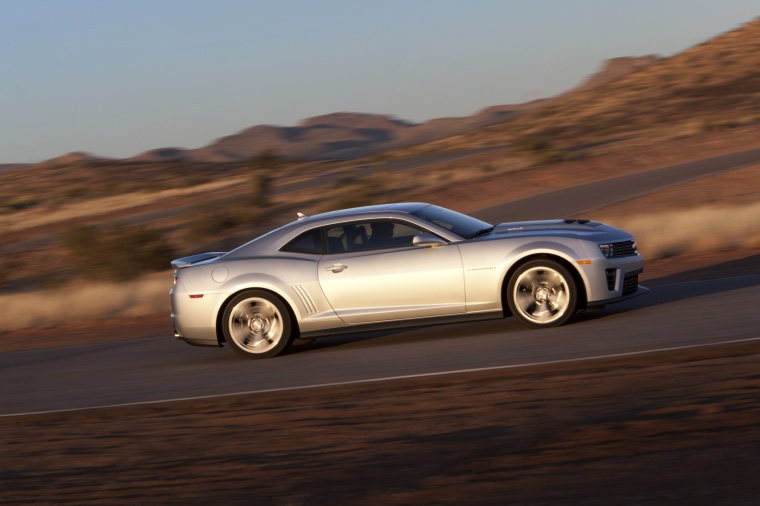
(257, 324)
(542, 293)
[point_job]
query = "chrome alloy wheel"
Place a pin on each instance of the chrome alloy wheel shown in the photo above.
(256, 325)
(541, 295)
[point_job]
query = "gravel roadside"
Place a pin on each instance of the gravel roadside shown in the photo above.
(664, 428)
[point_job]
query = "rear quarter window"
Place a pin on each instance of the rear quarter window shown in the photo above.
(309, 242)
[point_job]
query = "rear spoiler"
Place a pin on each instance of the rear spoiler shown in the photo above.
(194, 259)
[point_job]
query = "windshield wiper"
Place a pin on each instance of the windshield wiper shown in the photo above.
(482, 231)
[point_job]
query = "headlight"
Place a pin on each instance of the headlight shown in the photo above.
(619, 249)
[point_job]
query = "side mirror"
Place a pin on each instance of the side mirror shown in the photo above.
(427, 239)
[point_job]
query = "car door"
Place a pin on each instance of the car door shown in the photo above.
(372, 277)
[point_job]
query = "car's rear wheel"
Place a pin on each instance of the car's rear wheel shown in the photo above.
(257, 324)
(542, 293)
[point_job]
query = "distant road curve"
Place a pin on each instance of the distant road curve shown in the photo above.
(572, 202)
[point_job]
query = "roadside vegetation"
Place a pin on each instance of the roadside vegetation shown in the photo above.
(116, 253)
(680, 232)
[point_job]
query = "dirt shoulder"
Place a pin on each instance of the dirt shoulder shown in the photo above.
(665, 428)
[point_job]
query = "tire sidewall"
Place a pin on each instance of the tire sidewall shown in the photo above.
(287, 326)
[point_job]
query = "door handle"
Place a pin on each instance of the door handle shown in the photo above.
(337, 267)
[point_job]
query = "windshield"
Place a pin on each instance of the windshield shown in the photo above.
(461, 224)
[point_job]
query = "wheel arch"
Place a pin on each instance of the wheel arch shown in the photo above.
(223, 307)
(572, 269)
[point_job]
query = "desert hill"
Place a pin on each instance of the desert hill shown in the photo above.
(340, 136)
(718, 80)
(613, 69)
(711, 81)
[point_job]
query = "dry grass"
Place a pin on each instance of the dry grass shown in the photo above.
(86, 302)
(704, 230)
(37, 216)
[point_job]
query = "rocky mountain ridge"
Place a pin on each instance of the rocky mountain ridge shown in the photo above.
(715, 78)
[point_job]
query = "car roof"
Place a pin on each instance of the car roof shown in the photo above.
(403, 207)
(265, 242)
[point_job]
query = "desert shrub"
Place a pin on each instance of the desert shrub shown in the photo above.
(533, 144)
(20, 203)
(261, 168)
(716, 125)
(77, 192)
(262, 189)
(354, 193)
(118, 252)
(541, 150)
(212, 222)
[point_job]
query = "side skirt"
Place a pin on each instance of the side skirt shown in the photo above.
(401, 324)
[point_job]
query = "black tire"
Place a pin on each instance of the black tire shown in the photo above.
(257, 324)
(542, 294)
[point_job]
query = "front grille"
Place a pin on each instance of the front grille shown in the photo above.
(630, 283)
(624, 249)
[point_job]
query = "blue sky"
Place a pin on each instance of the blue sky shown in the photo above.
(119, 77)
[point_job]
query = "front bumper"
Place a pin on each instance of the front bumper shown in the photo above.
(640, 290)
(611, 280)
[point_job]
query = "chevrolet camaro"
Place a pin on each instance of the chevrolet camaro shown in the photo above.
(397, 265)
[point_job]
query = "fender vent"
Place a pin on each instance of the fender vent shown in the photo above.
(311, 308)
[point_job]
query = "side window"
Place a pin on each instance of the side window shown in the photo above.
(309, 242)
(370, 235)
(391, 234)
(347, 237)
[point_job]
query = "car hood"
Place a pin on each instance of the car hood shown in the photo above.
(557, 228)
(546, 226)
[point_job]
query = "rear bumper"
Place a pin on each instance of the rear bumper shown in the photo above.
(193, 318)
(191, 341)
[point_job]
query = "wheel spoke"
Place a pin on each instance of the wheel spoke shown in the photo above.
(255, 325)
(541, 295)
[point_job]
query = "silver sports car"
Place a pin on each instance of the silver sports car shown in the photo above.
(397, 265)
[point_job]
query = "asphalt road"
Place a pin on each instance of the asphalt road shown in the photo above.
(155, 369)
(575, 202)
(671, 315)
